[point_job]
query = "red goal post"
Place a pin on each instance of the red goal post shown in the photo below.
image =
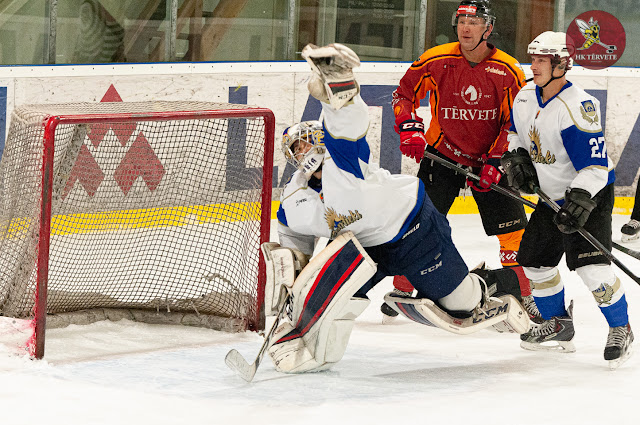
(152, 211)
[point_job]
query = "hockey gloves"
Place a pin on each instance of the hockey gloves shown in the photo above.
(333, 81)
(520, 171)
(489, 174)
(575, 211)
(412, 140)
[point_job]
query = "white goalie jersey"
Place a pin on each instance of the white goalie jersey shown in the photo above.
(356, 195)
(564, 139)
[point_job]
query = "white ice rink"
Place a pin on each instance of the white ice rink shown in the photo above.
(131, 373)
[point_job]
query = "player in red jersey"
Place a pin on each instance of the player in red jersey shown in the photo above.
(472, 86)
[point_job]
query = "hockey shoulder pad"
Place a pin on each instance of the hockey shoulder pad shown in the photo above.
(323, 308)
(504, 314)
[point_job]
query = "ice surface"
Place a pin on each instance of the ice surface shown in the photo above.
(132, 373)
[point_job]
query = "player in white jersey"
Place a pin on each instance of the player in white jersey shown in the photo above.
(382, 225)
(556, 144)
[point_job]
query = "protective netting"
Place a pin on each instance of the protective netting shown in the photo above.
(152, 209)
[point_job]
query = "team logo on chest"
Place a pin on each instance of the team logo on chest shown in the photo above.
(588, 111)
(535, 149)
(337, 222)
(471, 95)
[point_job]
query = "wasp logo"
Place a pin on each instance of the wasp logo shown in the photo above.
(591, 33)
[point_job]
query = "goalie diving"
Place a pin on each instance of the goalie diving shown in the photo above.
(379, 225)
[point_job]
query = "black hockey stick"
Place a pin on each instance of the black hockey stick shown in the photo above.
(624, 249)
(238, 364)
(512, 194)
(470, 175)
(589, 237)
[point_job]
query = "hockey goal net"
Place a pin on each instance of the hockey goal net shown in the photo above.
(152, 211)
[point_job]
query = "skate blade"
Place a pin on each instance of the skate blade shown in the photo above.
(630, 238)
(614, 364)
(389, 320)
(550, 346)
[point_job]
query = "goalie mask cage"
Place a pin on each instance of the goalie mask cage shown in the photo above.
(153, 211)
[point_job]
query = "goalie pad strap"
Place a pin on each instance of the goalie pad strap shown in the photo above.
(496, 311)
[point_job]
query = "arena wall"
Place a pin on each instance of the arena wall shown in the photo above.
(281, 86)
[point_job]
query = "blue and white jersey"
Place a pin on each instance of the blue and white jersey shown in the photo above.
(564, 138)
(375, 205)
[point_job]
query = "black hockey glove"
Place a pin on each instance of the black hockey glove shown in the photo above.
(520, 171)
(575, 211)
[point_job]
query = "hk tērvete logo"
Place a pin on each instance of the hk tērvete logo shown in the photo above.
(599, 39)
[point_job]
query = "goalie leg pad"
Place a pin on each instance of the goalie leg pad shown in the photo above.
(298, 356)
(323, 308)
(504, 314)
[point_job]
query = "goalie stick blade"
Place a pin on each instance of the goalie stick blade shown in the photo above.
(240, 366)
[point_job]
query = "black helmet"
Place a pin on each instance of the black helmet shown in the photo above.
(480, 8)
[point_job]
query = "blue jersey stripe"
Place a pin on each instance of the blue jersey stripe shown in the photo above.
(346, 154)
(282, 216)
(414, 212)
(584, 149)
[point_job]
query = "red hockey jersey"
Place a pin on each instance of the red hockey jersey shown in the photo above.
(470, 106)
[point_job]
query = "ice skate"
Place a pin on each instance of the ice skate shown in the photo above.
(389, 315)
(531, 308)
(618, 348)
(554, 334)
(631, 231)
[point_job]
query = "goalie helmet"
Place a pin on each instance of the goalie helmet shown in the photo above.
(303, 146)
(554, 44)
(479, 8)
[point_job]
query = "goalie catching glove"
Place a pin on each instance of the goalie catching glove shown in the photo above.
(333, 81)
(323, 308)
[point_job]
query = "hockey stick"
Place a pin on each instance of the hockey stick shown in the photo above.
(469, 174)
(238, 364)
(511, 194)
(589, 237)
(624, 249)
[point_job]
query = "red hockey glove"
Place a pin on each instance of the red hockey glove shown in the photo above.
(489, 173)
(412, 140)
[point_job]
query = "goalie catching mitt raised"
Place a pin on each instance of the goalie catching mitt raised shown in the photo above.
(333, 81)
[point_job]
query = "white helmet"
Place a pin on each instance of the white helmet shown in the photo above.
(312, 133)
(554, 44)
